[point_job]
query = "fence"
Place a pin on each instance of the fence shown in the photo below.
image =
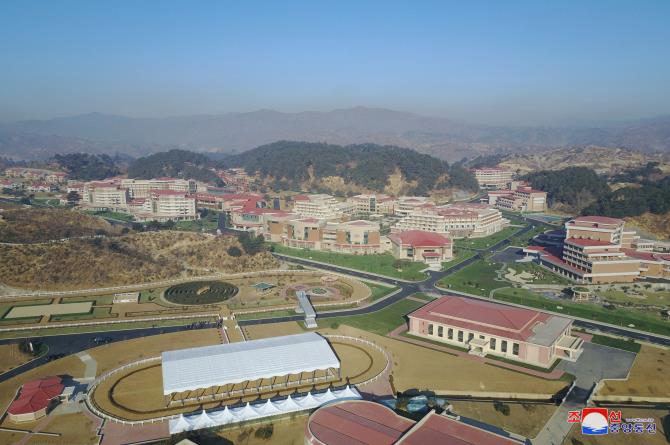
(90, 403)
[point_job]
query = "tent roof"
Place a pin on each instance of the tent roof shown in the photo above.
(218, 365)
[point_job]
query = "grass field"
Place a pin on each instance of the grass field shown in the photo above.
(648, 296)
(12, 357)
(619, 343)
(382, 264)
(379, 291)
(268, 314)
(113, 215)
(206, 223)
(477, 278)
(485, 242)
(381, 322)
(525, 419)
(460, 255)
(648, 376)
(542, 275)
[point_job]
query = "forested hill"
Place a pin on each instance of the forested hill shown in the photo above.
(292, 164)
(174, 163)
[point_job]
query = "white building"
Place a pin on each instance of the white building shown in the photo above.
(373, 203)
(321, 206)
(141, 188)
(105, 196)
(493, 178)
(457, 220)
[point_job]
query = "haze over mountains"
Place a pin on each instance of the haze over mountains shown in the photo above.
(236, 132)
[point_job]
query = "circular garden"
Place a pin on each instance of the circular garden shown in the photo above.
(200, 292)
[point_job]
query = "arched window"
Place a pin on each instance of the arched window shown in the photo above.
(440, 331)
(430, 329)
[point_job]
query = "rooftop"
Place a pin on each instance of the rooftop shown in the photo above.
(419, 238)
(218, 365)
(594, 220)
(586, 242)
(36, 395)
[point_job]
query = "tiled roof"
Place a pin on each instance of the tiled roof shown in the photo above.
(36, 395)
(482, 316)
(357, 423)
(647, 256)
(419, 238)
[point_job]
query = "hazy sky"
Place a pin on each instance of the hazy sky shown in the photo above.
(530, 62)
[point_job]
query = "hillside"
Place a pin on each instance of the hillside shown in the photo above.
(352, 168)
(235, 132)
(174, 163)
(142, 257)
(601, 159)
(32, 225)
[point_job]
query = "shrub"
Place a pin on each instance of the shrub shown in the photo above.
(265, 432)
(501, 408)
(234, 251)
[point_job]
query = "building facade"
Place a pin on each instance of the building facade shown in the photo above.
(415, 245)
(456, 220)
(486, 328)
(523, 199)
(321, 206)
(493, 178)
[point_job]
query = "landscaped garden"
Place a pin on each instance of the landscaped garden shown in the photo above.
(485, 242)
(200, 292)
(381, 264)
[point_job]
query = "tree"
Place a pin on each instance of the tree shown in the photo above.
(264, 432)
(73, 197)
(234, 251)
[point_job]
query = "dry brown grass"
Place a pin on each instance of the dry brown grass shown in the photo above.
(31, 225)
(287, 431)
(11, 357)
(118, 353)
(524, 419)
(74, 429)
(648, 376)
(130, 259)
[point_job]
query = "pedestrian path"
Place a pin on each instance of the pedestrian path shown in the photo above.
(91, 366)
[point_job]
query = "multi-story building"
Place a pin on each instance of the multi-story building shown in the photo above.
(591, 251)
(416, 245)
(373, 203)
(170, 205)
(652, 264)
(37, 174)
(105, 195)
(486, 328)
(457, 220)
(493, 178)
(321, 206)
(353, 237)
(410, 204)
(142, 188)
(523, 199)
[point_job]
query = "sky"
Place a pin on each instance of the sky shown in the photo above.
(499, 62)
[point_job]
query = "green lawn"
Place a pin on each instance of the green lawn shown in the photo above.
(112, 215)
(477, 278)
(381, 264)
(619, 343)
(525, 238)
(621, 317)
(206, 223)
(650, 297)
(543, 275)
(381, 322)
(460, 255)
(379, 291)
(96, 312)
(486, 242)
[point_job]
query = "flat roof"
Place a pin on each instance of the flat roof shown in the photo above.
(218, 365)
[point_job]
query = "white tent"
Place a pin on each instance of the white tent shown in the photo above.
(202, 421)
(220, 365)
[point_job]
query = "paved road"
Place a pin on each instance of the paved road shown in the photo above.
(73, 343)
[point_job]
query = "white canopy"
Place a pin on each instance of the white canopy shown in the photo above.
(218, 365)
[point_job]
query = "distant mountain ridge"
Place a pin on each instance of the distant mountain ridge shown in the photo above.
(236, 132)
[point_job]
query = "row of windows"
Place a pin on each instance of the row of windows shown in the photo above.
(460, 335)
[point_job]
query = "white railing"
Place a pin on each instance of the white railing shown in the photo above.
(90, 403)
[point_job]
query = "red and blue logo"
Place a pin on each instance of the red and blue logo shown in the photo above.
(599, 421)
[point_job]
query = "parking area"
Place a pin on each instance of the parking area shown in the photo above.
(599, 362)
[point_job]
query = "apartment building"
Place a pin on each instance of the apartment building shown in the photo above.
(171, 205)
(352, 237)
(373, 203)
(416, 245)
(105, 195)
(457, 220)
(260, 220)
(523, 199)
(652, 264)
(492, 329)
(142, 188)
(37, 174)
(411, 204)
(321, 206)
(593, 251)
(493, 178)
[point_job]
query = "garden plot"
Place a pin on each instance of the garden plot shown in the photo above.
(83, 307)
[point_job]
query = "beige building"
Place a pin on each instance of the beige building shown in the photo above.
(142, 188)
(492, 329)
(415, 245)
(351, 237)
(321, 206)
(523, 199)
(105, 196)
(457, 220)
(172, 205)
(373, 203)
(411, 204)
(493, 178)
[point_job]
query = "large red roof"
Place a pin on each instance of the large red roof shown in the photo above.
(357, 423)
(647, 256)
(482, 316)
(419, 238)
(437, 429)
(36, 395)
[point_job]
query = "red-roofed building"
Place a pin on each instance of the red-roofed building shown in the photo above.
(360, 422)
(35, 398)
(486, 328)
(417, 245)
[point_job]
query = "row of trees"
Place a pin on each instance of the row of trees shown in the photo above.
(175, 163)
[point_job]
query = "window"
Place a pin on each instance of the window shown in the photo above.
(515, 348)
(493, 344)
(471, 336)
(460, 336)
(430, 329)
(450, 334)
(503, 346)
(440, 331)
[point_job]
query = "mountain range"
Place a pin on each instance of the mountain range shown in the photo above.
(237, 132)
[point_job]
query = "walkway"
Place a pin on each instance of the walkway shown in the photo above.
(91, 366)
(555, 374)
